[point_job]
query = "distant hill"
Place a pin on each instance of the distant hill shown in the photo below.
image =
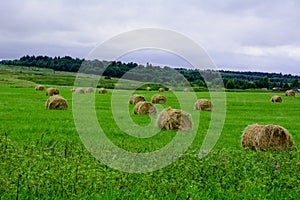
(156, 74)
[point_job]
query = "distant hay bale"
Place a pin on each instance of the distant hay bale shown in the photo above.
(204, 104)
(263, 137)
(102, 91)
(79, 90)
(39, 87)
(161, 89)
(276, 99)
(56, 102)
(52, 91)
(157, 98)
(186, 89)
(136, 98)
(89, 90)
(144, 108)
(290, 93)
(148, 89)
(172, 119)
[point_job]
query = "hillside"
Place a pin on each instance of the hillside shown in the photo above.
(156, 74)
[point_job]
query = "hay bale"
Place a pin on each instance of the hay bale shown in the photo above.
(144, 108)
(136, 98)
(102, 91)
(89, 90)
(79, 90)
(186, 90)
(39, 87)
(52, 91)
(173, 119)
(204, 104)
(56, 102)
(290, 93)
(263, 137)
(157, 98)
(161, 89)
(148, 88)
(276, 99)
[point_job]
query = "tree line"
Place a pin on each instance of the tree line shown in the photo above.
(166, 75)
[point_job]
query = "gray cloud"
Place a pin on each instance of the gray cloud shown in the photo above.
(262, 35)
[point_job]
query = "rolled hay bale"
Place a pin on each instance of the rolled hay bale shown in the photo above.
(204, 104)
(102, 91)
(263, 137)
(157, 98)
(136, 98)
(52, 91)
(89, 90)
(276, 99)
(186, 90)
(144, 108)
(79, 90)
(39, 87)
(56, 102)
(161, 89)
(173, 119)
(289, 93)
(148, 88)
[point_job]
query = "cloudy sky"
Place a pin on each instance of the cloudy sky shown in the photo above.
(238, 35)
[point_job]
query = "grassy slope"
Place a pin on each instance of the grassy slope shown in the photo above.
(59, 166)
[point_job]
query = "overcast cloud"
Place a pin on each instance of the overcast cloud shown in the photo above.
(238, 35)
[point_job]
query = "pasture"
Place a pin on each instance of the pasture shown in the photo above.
(42, 155)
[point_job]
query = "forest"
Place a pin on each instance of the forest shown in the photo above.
(157, 74)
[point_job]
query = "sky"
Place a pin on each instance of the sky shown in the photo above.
(248, 35)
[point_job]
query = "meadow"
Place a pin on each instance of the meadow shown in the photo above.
(43, 157)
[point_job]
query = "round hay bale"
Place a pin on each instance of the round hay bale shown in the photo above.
(173, 119)
(290, 93)
(136, 98)
(148, 88)
(157, 98)
(263, 137)
(186, 90)
(79, 91)
(89, 90)
(56, 102)
(161, 89)
(144, 108)
(204, 104)
(102, 91)
(52, 91)
(276, 99)
(39, 87)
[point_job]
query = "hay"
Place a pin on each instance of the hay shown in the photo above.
(52, 91)
(144, 108)
(204, 104)
(263, 137)
(186, 90)
(161, 89)
(148, 89)
(172, 119)
(159, 99)
(276, 99)
(79, 91)
(39, 87)
(290, 93)
(89, 90)
(56, 102)
(102, 91)
(136, 98)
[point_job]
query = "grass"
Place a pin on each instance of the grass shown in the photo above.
(42, 156)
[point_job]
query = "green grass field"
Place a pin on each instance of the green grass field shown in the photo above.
(42, 156)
